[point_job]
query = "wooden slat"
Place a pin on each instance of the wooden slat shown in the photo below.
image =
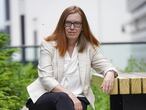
(134, 83)
(136, 86)
(144, 84)
(124, 86)
(115, 87)
(100, 78)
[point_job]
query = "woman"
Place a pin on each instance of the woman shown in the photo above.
(66, 58)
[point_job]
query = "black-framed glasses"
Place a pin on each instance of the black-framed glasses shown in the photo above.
(76, 24)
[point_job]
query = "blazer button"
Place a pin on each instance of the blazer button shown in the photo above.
(86, 89)
(85, 92)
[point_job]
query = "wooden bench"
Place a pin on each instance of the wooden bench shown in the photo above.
(129, 92)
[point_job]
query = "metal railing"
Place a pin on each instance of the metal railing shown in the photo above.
(35, 49)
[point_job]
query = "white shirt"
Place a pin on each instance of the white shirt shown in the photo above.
(71, 80)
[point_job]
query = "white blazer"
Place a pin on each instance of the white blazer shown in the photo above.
(50, 70)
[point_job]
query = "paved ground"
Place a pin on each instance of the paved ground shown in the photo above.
(24, 108)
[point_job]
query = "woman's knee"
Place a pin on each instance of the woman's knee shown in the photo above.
(64, 98)
(63, 95)
(64, 102)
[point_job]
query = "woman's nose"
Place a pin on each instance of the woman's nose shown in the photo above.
(72, 26)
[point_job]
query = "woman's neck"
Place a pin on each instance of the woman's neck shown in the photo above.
(72, 43)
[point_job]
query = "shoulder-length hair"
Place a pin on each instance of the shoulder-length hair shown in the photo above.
(85, 37)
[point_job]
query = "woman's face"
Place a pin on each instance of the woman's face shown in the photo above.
(73, 26)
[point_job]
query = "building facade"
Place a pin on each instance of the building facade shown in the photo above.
(137, 8)
(137, 25)
(29, 21)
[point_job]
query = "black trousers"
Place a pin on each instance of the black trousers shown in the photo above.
(55, 101)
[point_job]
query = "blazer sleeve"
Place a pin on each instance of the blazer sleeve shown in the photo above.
(45, 69)
(101, 64)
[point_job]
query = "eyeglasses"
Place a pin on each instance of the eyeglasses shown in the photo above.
(76, 24)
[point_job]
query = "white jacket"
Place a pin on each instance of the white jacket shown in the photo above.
(50, 70)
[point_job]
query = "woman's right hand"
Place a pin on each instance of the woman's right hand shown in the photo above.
(76, 101)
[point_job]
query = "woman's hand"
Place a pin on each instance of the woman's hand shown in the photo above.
(108, 82)
(76, 101)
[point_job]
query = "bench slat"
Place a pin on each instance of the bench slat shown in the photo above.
(136, 86)
(134, 83)
(144, 84)
(124, 86)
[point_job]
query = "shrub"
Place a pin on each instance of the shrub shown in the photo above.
(14, 77)
(135, 65)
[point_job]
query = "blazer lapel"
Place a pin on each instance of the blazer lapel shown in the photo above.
(60, 66)
(82, 66)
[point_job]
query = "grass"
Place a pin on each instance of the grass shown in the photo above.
(101, 99)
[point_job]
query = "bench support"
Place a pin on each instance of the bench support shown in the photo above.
(128, 102)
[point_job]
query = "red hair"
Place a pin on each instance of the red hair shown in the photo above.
(85, 35)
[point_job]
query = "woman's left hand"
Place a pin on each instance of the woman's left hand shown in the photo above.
(107, 84)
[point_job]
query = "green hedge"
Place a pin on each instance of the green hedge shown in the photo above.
(135, 65)
(14, 77)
